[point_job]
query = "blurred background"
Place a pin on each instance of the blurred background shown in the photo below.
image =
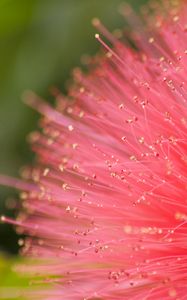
(40, 42)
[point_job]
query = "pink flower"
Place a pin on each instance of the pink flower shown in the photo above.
(105, 206)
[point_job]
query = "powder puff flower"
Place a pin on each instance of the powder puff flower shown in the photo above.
(104, 208)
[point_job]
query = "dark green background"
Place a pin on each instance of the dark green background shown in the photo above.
(40, 42)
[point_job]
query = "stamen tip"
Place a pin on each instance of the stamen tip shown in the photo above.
(28, 97)
(97, 36)
(95, 22)
(2, 218)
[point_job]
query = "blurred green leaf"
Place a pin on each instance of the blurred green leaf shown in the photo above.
(10, 282)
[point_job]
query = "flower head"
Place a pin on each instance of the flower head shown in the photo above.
(105, 206)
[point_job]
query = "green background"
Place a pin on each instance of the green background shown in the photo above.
(40, 42)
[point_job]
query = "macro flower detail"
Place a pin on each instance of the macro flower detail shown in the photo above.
(105, 206)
